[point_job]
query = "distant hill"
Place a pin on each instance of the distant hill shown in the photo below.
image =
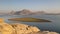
(38, 12)
(23, 12)
(52, 13)
(4, 12)
(28, 12)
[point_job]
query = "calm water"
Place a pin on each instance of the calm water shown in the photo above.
(51, 26)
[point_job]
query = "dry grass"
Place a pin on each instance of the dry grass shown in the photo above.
(29, 20)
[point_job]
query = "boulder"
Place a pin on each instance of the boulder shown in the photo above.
(5, 28)
(24, 29)
(47, 32)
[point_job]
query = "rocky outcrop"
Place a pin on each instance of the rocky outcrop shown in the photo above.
(43, 32)
(24, 29)
(5, 28)
(20, 29)
(16, 28)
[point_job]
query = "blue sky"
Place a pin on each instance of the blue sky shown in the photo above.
(46, 5)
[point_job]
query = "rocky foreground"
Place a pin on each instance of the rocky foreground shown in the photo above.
(20, 29)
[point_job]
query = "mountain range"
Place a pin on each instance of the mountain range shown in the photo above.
(27, 12)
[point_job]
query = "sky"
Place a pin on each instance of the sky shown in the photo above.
(38, 5)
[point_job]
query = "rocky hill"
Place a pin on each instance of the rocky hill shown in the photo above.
(23, 12)
(27, 12)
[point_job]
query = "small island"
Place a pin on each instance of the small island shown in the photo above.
(29, 19)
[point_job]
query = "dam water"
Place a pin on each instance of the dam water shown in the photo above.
(47, 26)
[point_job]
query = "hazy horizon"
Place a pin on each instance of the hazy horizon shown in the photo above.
(52, 6)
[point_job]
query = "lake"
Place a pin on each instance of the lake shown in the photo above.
(48, 26)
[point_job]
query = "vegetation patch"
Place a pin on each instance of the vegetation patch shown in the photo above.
(29, 20)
